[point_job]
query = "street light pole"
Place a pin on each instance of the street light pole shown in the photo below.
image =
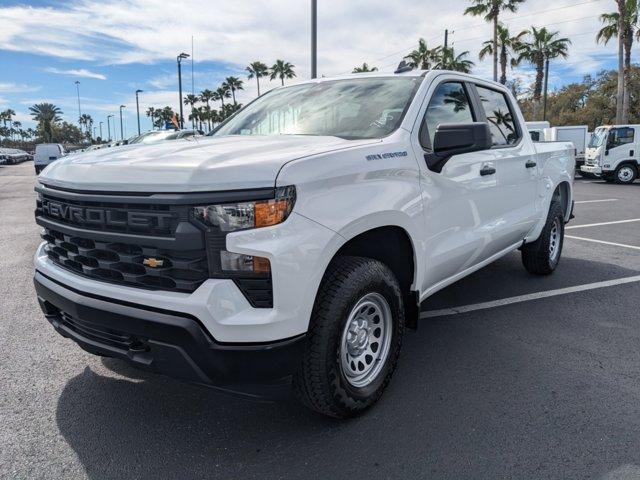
(181, 57)
(121, 129)
(101, 139)
(314, 38)
(79, 111)
(138, 109)
(109, 126)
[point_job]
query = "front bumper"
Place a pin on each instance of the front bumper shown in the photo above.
(593, 169)
(167, 342)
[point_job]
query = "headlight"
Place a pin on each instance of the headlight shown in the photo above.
(230, 217)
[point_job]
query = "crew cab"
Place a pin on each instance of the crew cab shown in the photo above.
(613, 153)
(293, 246)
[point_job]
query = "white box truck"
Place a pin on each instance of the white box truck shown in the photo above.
(576, 134)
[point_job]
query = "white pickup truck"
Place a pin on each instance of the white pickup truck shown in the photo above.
(613, 153)
(294, 245)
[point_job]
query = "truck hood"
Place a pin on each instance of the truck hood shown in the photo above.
(202, 164)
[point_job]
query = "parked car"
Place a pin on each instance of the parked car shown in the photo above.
(47, 153)
(294, 246)
(12, 156)
(613, 153)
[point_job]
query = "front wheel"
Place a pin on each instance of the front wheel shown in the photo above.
(354, 338)
(542, 256)
(625, 174)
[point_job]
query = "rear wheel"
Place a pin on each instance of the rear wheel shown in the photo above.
(354, 338)
(625, 174)
(542, 256)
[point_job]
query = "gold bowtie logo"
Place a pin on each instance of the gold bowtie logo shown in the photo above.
(153, 262)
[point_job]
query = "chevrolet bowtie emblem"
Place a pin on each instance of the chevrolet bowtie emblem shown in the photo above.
(153, 262)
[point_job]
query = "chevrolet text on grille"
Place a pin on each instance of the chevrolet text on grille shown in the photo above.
(104, 216)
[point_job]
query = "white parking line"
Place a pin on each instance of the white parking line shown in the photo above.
(527, 297)
(602, 241)
(597, 201)
(602, 223)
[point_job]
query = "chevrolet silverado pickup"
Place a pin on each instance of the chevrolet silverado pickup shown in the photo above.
(293, 246)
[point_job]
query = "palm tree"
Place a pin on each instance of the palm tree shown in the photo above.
(45, 114)
(423, 58)
(448, 60)
(490, 11)
(234, 83)
(506, 44)
(206, 96)
(625, 20)
(7, 116)
(364, 68)
(151, 113)
(257, 70)
(222, 92)
(282, 70)
(538, 48)
(191, 100)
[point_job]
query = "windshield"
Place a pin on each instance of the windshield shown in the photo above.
(597, 137)
(351, 109)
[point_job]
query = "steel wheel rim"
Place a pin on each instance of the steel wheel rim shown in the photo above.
(625, 174)
(366, 340)
(554, 240)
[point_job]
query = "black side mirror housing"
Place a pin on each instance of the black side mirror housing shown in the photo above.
(456, 139)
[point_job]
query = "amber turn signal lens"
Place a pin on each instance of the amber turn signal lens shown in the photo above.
(271, 212)
(261, 265)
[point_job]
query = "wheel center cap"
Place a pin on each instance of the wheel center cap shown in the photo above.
(358, 339)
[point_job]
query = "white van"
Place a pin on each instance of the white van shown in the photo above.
(47, 153)
(613, 153)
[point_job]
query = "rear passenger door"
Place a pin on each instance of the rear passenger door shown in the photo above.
(516, 169)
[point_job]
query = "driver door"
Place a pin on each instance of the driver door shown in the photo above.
(459, 202)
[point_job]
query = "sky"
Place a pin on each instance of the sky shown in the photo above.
(114, 47)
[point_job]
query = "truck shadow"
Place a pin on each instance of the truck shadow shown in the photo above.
(474, 392)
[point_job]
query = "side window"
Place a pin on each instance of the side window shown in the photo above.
(448, 104)
(620, 136)
(499, 116)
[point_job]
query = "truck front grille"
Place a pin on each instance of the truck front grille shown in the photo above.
(129, 264)
(591, 162)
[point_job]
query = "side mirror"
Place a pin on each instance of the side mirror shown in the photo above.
(456, 139)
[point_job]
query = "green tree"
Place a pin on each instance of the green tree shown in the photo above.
(623, 25)
(222, 92)
(538, 46)
(46, 114)
(191, 101)
(282, 70)
(234, 84)
(448, 60)
(490, 10)
(506, 44)
(257, 70)
(364, 69)
(423, 58)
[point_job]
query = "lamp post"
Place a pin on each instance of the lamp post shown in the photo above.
(138, 109)
(109, 126)
(314, 38)
(181, 57)
(121, 129)
(101, 139)
(94, 134)
(79, 111)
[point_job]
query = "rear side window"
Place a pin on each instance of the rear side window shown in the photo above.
(449, 104)
(620, 136)
(499, 116)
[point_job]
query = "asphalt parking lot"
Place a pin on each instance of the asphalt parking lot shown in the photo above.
(508, 376)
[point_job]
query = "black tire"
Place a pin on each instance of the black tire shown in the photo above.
(625, 174)
(609, 179)
(37, 171)
(537, 256)
(321, 384)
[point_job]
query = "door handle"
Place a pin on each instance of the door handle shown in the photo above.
(530, 164)
(631, 153)
(487, 170)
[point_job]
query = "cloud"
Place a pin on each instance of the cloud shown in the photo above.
(235, 33)
(7, 87)
(80, 72)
